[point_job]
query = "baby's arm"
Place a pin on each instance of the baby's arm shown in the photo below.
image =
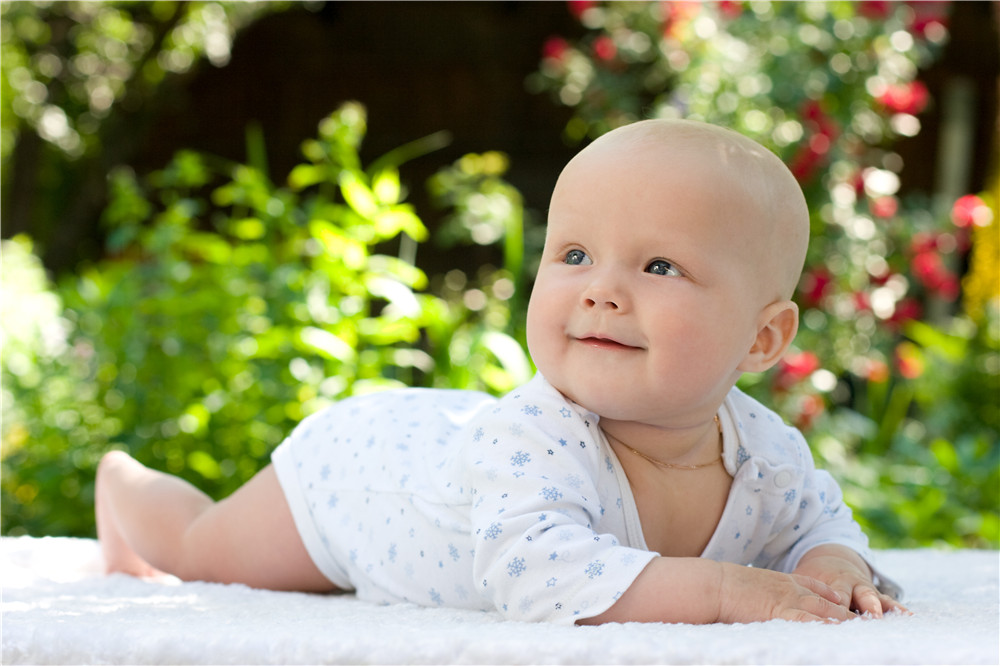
(845, 571)
(702, 591)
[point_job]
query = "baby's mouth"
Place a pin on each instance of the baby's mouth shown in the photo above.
(602, 342)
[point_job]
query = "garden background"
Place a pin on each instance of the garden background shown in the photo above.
(220, 217)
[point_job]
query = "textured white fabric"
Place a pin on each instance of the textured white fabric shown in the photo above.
(59, 609)
(452, 498)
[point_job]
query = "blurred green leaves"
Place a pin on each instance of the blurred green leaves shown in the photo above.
(228, 309)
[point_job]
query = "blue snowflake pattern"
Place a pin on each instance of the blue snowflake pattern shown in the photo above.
(453, 552)
(594, 569)
(520, 459)
(551, 493)
(436, 597)
(332, 500)
(493, 531)
(790, 496)
(478, 435)
(531, 410)
(324, 473)
(392, 552)
(516, 429)
(516, 567)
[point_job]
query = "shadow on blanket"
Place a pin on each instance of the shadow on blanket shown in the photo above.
(59, 608)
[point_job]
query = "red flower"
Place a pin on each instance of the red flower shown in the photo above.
(862, 301)
(604, 48)
(795, 367)
(930, 269)
(554, 48)
(730, 9)
(812, 151)
(906, 310)
(909, 97)
(875, 9)
(971, 210)
(816, 284)
(578, 7)
(929, 17)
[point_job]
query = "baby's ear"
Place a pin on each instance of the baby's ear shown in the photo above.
(776, 328)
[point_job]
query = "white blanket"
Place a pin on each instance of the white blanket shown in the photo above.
(58, 608)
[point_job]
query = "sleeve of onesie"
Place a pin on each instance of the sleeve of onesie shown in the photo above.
(815, 513)
(534, 464)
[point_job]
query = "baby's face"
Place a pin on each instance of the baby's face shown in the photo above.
(647, 297)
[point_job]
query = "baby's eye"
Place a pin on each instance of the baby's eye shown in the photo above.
(662, 267)
(577, 258)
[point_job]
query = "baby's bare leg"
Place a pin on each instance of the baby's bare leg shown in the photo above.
(149, 522)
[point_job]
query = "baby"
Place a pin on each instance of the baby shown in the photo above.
(628, 481)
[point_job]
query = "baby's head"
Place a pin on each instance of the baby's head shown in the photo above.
(672, 251)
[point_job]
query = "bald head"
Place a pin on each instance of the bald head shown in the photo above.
(773, 220)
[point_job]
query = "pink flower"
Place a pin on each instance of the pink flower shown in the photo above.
(970, 210)
(884, 207)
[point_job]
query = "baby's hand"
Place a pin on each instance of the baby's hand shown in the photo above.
(844, 571)
(754, 595)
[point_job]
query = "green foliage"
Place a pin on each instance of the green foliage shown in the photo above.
(228, 309)
(893, 383)
(67, 66)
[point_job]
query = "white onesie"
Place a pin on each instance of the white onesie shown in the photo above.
(458, 499)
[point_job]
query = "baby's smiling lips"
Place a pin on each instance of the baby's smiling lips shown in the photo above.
(602, 342)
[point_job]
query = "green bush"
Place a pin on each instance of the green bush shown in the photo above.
(228, 309)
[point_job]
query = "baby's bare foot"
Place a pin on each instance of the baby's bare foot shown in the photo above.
(118, 555)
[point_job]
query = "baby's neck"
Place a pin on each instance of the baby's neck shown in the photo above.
(691, 445)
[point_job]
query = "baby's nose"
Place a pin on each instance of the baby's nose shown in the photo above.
(602, 295)
(598, 301)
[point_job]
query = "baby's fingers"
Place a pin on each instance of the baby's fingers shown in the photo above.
(818, 609)
(819, 587)
(866, 599)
